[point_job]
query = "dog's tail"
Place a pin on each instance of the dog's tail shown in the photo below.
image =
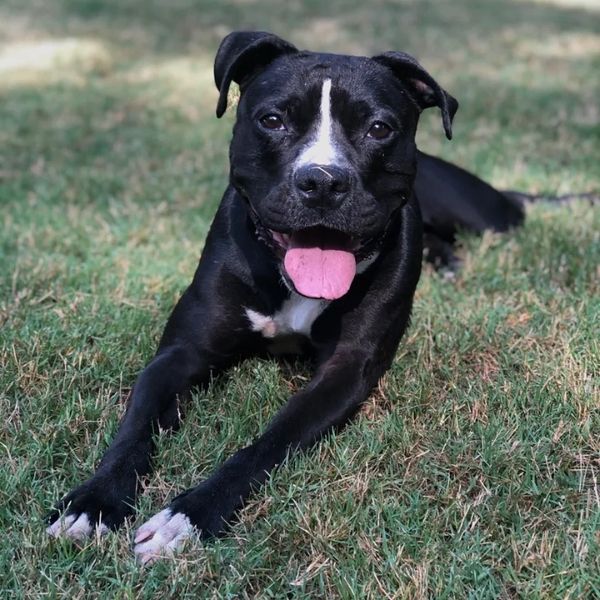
(522, 199)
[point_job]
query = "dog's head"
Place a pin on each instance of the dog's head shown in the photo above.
(323, 150)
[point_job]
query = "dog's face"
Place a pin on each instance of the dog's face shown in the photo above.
(323, 150)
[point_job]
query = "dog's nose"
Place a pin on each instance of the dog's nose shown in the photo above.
(323, 185)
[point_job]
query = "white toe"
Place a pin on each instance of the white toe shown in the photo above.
(60, 526)
(163, 535)
(76, 527)
(80, 529)
(149, 527)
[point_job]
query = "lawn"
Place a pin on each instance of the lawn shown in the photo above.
(473, 471)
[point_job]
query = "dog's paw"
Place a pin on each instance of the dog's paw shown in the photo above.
(76, 527)
(162, 536)
(203, 511)
(91, 509)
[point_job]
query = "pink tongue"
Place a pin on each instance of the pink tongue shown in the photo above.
(319, 273)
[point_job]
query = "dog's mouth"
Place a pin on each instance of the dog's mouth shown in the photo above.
(320, 262)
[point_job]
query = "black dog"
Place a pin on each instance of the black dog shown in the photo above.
(316, 247)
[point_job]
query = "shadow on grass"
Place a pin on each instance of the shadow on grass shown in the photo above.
(136, 121)
(198, 25)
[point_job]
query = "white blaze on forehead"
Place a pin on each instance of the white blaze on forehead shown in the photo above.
(321, 150)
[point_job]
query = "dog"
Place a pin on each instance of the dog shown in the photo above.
(316, 249)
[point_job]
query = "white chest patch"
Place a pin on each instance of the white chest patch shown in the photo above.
(296, 316)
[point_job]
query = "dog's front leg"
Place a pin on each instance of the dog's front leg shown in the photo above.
(340, 385)
(107, 498)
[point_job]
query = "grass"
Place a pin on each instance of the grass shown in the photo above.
(472, 472)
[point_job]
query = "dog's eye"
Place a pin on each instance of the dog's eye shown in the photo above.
(379, 131)
(272, 122)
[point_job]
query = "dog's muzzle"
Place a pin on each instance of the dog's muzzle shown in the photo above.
(323, 187)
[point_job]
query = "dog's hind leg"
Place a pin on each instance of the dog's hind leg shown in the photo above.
(452, 199)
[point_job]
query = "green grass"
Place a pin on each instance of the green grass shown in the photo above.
(472, 472)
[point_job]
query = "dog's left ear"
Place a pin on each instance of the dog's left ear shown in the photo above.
(240, 55)
(421, 85)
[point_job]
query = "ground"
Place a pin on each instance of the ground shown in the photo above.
(472, 472)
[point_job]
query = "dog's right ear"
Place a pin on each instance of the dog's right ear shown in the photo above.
(240, 55)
